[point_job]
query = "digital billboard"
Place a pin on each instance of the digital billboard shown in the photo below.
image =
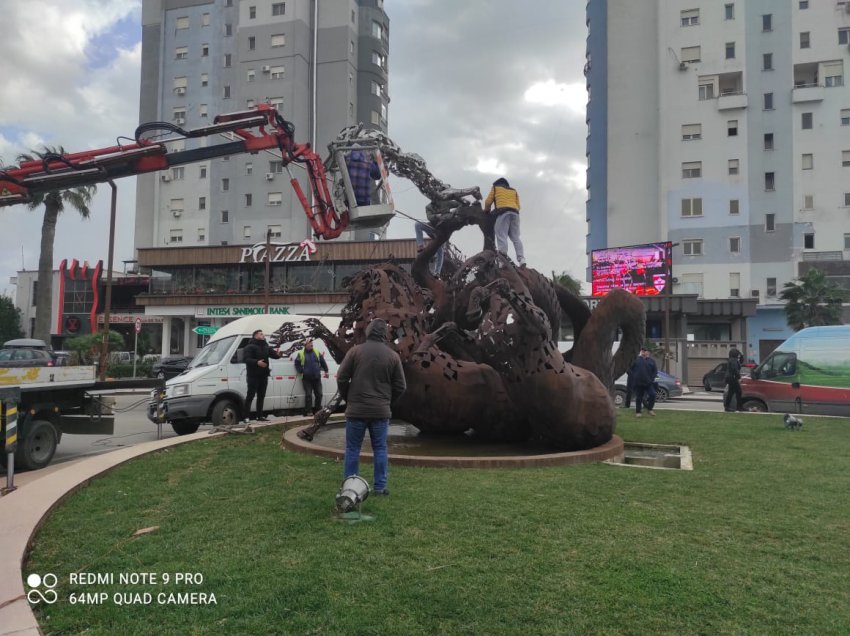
(644, 270)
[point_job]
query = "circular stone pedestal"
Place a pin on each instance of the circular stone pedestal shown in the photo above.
(408, 448)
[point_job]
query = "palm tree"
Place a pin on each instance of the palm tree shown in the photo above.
(565, 280)
(812, 301)
(54, 202)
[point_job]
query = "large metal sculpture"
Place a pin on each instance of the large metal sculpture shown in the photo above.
(478, 343)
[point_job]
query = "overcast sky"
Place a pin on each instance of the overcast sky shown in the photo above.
(479, 88)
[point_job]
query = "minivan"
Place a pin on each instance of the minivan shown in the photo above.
(213, 387)
(808, 373)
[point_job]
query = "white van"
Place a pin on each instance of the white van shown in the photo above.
(213, 387)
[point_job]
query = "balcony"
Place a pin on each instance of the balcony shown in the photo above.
(823, 256)
(731, 101)
(807, 93)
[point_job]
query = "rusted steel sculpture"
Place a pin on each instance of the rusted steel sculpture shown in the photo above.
(479, 347)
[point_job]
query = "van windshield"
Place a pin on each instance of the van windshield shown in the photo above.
(213, 353)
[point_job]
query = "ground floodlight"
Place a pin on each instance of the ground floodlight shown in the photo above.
(353, 491)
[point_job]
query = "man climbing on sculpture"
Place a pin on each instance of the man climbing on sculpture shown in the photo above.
(506, 202)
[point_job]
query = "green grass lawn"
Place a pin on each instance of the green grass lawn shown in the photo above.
(756, 539)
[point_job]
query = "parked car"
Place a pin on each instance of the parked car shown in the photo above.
(15, 357)
(668, 386)
(26, 343)
(715, 380)
(170, 366)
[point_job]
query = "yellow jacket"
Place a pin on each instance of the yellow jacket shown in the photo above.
(503, 198)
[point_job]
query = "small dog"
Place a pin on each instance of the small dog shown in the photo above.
(793, 423)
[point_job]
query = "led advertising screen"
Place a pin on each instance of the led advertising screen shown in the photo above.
(644, 270)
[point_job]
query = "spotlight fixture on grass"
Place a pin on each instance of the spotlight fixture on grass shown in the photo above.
(353, 492)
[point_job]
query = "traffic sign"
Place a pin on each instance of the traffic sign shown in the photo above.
(205, 330)
(138, 325)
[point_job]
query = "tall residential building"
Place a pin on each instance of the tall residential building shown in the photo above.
(725, 128)
(322, 64)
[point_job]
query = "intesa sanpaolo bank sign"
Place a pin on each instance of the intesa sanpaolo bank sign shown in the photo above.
(279, 252)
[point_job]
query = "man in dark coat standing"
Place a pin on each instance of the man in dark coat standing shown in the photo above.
(733, 381)
(644, 372)
(310, 364)
(370, 379)
(257, 371)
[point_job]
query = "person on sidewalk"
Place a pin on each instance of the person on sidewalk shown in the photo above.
(733, 381)
(506, 202)
(644, 371)
(370, 379)
(257, 371)
(310, 364)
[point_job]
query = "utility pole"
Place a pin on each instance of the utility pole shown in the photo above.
(107, 303)
(268, 266)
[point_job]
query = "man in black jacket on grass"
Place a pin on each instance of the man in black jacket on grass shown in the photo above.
(257, 371)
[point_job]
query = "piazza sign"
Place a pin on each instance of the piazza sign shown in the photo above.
(278, 252)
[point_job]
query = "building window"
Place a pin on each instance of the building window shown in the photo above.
(808, 202)
(383, 111)
(808, 161)
(734, 284)
(768, 101)
(277, 103)
(176, 236)
(729, 11)
(770, 222)
(804, 4)
(847, 199)
(180, 84)
(228, 30)
(732, 128)
(278, 72)
(379, 60)
(180, 115)
(181, 52)
(252, 43)
(691, 54)
(806, 121)
(202, 110)
(768, 141)
(249, 199)
(182, 22)
(375, 118)
(692, 207)
(350, 109)
(202, 203)
(202, 235)
(205, 50)
(691, 132)
(226, 92)
(706, 90)
(278, 39)
(845, 158)
(275, 198)
(377, 89)
(276, 167)
(178, 173)
(225, 185)
(353, 16)
(692, 247)
(805, 41)
(251, 75)
(767, 62)
(771, 287)
(735, 244)
(225, 216)
(275, 232)
(202, 172)
(769, 181)
(377, 30)
(691, 169)
(767, 22)
(351, 47)
(844, 35)
(847, 241)
(205, 19)
(205, 79)
(252, 13)
(176, 206)
(845, 116)
(228, 60)
(833, 74)
(730, 50)
(278, 8)
(249, 168)
(808, 241)
(734, 165)
(734, 206)
(246, 231)
(690, 17)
